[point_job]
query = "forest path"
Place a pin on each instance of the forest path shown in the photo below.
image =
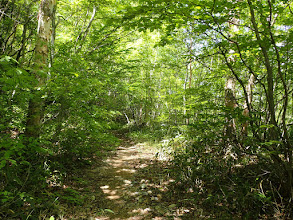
(132, 184)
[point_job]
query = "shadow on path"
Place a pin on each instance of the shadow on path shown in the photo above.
(132, 184)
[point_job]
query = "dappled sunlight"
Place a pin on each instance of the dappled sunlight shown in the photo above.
(111, 194)
(133, 184)
(127, 170)
(116, 181)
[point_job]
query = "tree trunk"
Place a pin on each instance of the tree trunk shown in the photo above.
(246, 112)
(44, 32)
(230, 103)
(270, 75)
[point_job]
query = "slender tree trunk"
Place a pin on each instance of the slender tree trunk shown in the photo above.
(82, 36)
(44, 32)
(230, 103)
(246, 110)
(189, 75)
(270, 75)
(53, 36)
(184, 100)
(190, 72)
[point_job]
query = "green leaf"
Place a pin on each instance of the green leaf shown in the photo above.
(13, 162)
(109, 210)
(2, 164)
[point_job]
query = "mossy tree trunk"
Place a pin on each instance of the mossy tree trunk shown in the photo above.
(231, 104)
(40, 67)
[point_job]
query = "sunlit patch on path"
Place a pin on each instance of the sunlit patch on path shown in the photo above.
(131, 185)
(119, 185)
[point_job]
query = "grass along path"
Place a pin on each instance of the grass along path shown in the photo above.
(132, 184)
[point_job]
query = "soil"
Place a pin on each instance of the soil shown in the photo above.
(132, 184)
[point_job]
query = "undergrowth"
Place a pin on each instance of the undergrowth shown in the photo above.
(222, 178)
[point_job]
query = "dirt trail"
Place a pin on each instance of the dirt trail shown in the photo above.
(117, 182)
(132, 185)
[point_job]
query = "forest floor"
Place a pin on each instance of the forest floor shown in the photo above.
(131, 184)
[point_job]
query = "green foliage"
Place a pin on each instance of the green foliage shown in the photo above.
(221, 179)
(158, 70)
(77, 117)
(20, 162)
(71, 196)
